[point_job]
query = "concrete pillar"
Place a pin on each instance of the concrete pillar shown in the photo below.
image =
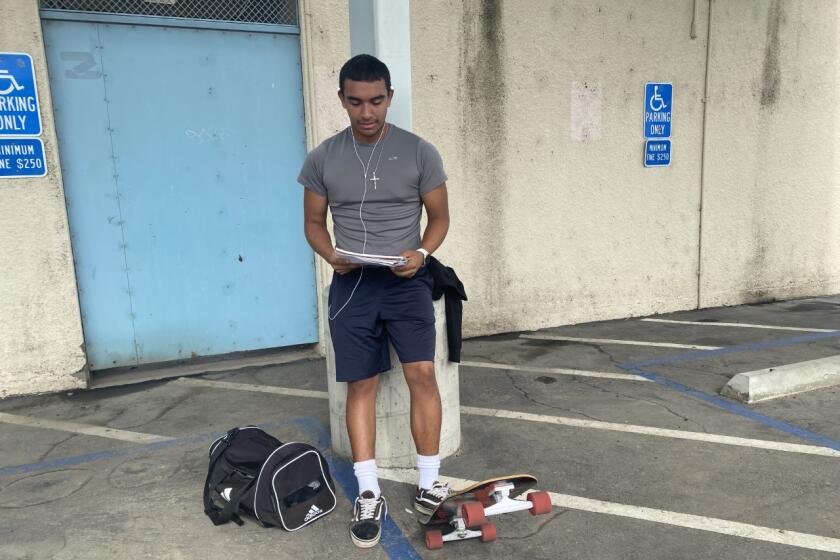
(394, 444)
(382, 28)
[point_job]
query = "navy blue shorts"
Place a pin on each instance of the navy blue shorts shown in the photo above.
(384, 307)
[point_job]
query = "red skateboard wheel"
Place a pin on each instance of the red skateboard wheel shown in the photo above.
(540, 503)
(488, 532)
(473, 513)
(483, 496)
(434, 539)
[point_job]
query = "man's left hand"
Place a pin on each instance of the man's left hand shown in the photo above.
(408, 270)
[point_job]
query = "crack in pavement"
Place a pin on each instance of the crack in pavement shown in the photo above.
(609, 356)
(535, 401)
(618, 394)
(162, 412)
(53, 446)
(539, 529)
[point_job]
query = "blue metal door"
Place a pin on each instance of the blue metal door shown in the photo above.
(179, 150)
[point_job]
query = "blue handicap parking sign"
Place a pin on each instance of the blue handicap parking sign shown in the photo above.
(22, 157)
(20, 114)
(658, 99)
(657, 153)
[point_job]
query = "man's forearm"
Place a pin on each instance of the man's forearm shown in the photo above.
(319, 239)
(435, 233)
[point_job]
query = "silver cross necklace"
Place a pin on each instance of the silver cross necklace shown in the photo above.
(366, 168)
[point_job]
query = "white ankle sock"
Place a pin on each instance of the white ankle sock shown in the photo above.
(367, 476)
(429, 467)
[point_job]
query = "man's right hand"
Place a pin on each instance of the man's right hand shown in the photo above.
(341, 265)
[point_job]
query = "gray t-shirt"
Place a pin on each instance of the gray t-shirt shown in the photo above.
(406, 167)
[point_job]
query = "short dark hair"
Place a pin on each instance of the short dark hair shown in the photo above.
(364, 68)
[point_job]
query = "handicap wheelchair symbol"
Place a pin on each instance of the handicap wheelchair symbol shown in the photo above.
(656, 98)
(12, 86)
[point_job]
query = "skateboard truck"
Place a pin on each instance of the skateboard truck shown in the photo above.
(468, 520)
(499, 496)
(461, 532)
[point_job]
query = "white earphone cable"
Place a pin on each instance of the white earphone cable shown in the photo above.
(365, 169)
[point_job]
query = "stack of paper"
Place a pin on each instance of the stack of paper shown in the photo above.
(374, 260)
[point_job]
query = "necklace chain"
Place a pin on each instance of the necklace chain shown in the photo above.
(366, 168)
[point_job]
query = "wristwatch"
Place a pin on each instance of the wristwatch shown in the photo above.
(425, 254)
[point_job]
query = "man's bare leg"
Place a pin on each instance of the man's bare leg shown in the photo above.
(426, 411)
(361, 427)
(426, 417)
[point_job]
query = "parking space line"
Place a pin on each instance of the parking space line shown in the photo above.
(306, 423)
(738, 325)
(738, 409)
(196, 382)
(79, 428)
(748, 347)
(652, 431)
(556, 371)
(665, 517)
(558, 420)
(614, 341)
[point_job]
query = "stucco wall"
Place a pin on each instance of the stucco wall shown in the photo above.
(536, 107)
(41, 343)
(537, 110)
(771, 220)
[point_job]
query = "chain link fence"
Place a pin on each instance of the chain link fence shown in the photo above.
(243, 11)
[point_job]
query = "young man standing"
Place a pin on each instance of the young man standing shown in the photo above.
(376, 178)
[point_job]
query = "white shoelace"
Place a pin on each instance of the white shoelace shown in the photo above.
(367, 507)
(440, 491)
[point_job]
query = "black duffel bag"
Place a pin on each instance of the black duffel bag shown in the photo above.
(280, 484)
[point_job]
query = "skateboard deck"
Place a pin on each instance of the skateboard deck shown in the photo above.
(463, 515)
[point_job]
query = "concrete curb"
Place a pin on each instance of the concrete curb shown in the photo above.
(156, 372)
(772, 383)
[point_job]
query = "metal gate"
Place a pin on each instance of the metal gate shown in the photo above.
(180, 141)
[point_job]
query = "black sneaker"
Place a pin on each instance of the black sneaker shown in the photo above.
(368, 514)
(427, 501)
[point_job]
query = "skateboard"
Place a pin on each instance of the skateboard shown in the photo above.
(463, 515)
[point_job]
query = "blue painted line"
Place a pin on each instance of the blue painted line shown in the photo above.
(64, 462)
(688, 356)
(736, 408)
(393, 541)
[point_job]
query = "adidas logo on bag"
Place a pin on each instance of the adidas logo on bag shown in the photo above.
(313, 511)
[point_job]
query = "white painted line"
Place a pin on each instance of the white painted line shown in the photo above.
(557, 420)
(252, 387)
(785, 380)
(78, 428)
(556, 371)
(740, 325)
(665, 517)
(613, 341)
(651, 431)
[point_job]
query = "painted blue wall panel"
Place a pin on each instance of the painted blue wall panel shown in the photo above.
(91, 192)
(207, 134)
